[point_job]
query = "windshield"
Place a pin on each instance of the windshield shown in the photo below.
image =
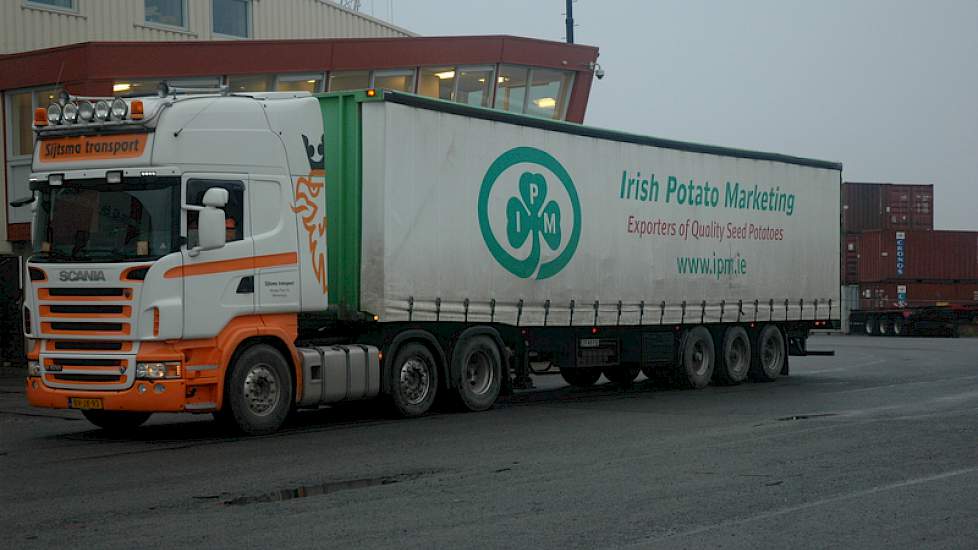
(91, 221)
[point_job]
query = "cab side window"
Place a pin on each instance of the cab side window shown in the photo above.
(233, 211)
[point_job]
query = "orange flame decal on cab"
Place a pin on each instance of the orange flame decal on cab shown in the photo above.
(307, 193)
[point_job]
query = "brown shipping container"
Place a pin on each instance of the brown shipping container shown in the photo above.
(929, 256)
(878, 296)
(873, 206)
(850, 259)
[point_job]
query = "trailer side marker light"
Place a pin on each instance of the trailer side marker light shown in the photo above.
(40, 116)
(594, 330)
(371, 92)
(380, 356)
(376, 317)
(136, 110)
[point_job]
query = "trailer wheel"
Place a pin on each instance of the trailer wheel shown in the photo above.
(480, 371)
(735, 357)
(883, 326)
(116, 421)
(899, 326)
(623, 374)
(581, 377)
(768, 360)
(870, 326)
(415, 380)
(259, 390)
(698, 359)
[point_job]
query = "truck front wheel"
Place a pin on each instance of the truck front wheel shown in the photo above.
(415, 380)
(116, 421)
(259, 390)
(768, 360)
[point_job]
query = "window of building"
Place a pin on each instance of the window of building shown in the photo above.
(68, 5)
(511, 88)
(20, 107)
(232, 17)
(233, 212)
(437, 82)
(132, 86)
(474, 86)
(349, 80)
(172, 13)
(549, 89)
(251, 83)
(311, 82)
(401, 80)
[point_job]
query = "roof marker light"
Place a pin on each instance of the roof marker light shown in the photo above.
(56, 179)
(40, 116)
(371, 92)
(113, 177)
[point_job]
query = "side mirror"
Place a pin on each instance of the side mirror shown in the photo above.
(22, 201)
(210, 220)
(216, 197)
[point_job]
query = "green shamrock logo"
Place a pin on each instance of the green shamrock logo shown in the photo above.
(525, 218)
(530, 216)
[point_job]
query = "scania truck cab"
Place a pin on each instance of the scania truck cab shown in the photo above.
(166, 241)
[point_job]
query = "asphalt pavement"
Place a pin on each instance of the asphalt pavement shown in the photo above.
(874, 448)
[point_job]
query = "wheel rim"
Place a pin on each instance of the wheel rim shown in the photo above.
(737, 355)
(415, 381)
(771, 354)
(700, 358)
(478, 373)
(262, 390)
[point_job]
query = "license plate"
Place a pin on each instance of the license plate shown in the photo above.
(84, 403)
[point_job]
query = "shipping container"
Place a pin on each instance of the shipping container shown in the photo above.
(876, 206)
(929, 256)
(888, 296)
(850, 259)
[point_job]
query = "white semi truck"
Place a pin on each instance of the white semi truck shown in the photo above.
(249, 255)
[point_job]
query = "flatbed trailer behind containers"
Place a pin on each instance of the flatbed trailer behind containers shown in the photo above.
(248, 255)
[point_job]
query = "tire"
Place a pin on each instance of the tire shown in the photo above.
(734, 364)
(414, 380)
(899, 326)
(623, 374)
(870, 326)
(479, 368)
(258, 392)
(116, 421)
(883, 326)
(697, 359)
(581, 377)
(768, 358)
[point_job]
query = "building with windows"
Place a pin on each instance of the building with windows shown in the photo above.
(97, 48)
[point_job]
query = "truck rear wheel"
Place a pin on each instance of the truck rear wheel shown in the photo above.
(623, 374)
(581, 377)
(116, 421)
(698, 358)
(414, 380)
(480, 373)
(734, 357)
(899, 326)
(883, 326)
(768, 360)
(259, 390)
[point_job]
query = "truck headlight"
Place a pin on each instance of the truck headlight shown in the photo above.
(33, 368)
(157, 370)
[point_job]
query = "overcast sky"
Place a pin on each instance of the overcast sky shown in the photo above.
(887, 87)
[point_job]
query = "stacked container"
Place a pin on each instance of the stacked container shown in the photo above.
(894, 257)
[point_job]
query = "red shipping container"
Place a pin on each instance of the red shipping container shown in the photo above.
(874, 206)
(930, 256)
(850, 259)
(880, 296)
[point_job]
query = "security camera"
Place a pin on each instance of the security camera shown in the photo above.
(599, 73)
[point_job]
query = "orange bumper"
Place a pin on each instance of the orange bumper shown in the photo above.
(156, 396)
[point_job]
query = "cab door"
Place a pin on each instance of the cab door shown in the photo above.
(218, 284)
